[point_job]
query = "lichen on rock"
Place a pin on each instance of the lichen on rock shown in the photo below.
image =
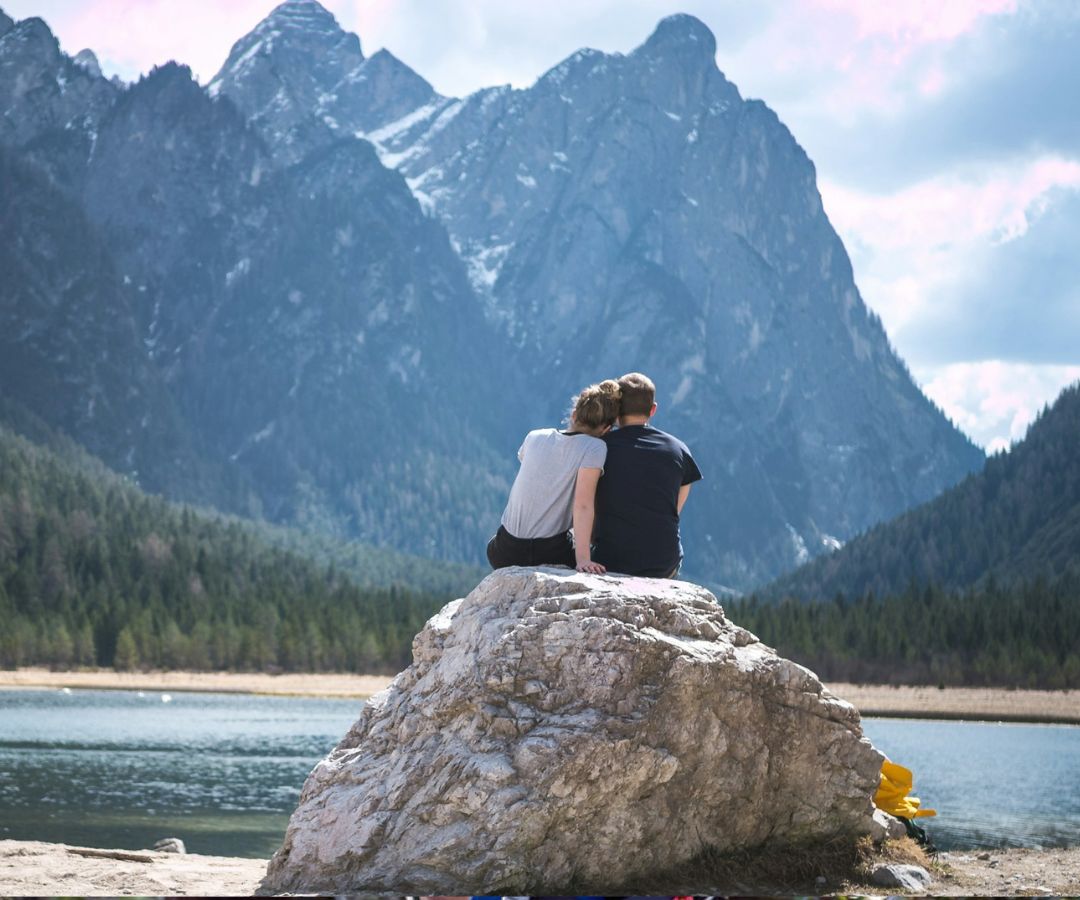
(559, 730)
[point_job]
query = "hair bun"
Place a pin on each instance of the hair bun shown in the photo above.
(598, 405)
(609, 388)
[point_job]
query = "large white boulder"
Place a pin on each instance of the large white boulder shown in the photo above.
(566, 732)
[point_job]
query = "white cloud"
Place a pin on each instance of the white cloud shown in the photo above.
(914, 249)
(828, 63)
(994, 401)
(916, 22)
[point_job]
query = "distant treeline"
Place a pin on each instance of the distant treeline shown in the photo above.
(1016, 520)
(1016, 636)
(94, 572)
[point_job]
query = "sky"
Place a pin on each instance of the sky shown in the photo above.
(944, 134)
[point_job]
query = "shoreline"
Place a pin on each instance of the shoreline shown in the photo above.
(872, 701)
(969, 704)
(38, 868)
(290, 684)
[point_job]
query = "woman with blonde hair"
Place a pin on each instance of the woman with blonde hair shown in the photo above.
(555, 488)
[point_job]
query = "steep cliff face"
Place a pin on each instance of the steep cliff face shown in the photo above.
(635, 213)
(302, 81)
(311, 321)
(347, 344)
(306, 323)
(69, 348)
(50, 104)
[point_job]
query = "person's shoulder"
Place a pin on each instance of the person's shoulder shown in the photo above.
(671, 438)
(592, 447)
(541, 433)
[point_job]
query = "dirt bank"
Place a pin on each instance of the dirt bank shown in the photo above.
(294, 684)
(993, 704)
(35, 868)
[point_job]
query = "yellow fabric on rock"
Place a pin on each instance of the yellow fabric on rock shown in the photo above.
(892, 793)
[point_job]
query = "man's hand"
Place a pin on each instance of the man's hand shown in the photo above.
(594, 568)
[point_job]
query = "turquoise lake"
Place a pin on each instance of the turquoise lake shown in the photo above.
(223, 771)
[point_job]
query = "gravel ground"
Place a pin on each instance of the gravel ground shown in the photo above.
(30, 868)
(1008, 873)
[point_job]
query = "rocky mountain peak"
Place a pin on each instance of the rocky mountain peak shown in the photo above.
(170, 76)
(89, 61)
(305, 15)
(636, 193)
(385, 61)
(48, 100)
(301, 35)
(681, 34)
(34, 34)
(285, 74)
(382, 90)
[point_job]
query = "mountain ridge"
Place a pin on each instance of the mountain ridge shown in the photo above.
(1016, 521)
(625, 212)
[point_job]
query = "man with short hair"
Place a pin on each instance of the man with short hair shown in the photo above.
(646, 481)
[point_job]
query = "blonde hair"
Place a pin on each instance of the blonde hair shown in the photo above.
(597, 406)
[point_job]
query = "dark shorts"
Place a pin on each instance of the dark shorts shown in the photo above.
(506, 550)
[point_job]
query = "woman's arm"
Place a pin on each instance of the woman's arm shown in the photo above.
(584, 513)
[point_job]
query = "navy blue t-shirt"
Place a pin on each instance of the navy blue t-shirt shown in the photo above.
(637, 501)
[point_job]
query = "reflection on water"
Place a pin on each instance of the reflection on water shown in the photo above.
(223, 771)
(123, 768)
(993, 785)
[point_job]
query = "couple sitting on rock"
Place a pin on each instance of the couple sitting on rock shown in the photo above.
(622, 489)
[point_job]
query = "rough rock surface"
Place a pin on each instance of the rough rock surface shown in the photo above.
(885, 827)
(559, 730)
(912, 878)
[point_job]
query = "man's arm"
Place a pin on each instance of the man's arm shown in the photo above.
(684, 492)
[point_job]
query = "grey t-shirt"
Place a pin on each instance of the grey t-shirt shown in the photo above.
(542, 498)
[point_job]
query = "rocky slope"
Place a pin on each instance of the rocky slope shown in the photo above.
(303, 81)
(308, 322)
(359, 349)
(635, 212)
(50, 103)
(1012, 524)
(69, 347)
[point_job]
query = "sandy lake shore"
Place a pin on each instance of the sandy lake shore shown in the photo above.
(991, 704)
(288, 684)
(33, 868)
(36, 868)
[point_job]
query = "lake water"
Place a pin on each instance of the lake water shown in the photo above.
(223, 771)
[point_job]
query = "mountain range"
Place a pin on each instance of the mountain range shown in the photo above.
(1015, 522)
(316, 291)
